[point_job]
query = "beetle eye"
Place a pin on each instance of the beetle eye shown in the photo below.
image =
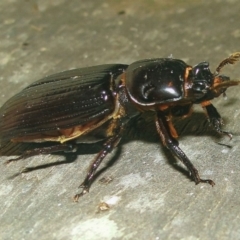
(224, 78)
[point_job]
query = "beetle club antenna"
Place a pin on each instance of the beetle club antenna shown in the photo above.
(233, 58)
(226, 84)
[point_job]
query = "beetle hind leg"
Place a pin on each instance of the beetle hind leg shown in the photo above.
(171, 143)
(45, 150)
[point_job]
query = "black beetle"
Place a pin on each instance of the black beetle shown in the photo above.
(76, 105)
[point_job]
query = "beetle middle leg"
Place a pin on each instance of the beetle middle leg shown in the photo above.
(108, 146)
(171, 143)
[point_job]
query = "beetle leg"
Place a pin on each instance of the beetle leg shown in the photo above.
(172, 144)
(45, 150)
(107, 148)
(214, 118)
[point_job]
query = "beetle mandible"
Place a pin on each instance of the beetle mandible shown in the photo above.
(74, 105)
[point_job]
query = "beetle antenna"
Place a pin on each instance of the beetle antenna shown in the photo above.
(233, 58)
(226, 84)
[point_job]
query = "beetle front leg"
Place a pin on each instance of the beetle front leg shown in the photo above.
(172, 144)
(214, 118)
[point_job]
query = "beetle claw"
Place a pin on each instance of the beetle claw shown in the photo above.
(217, 123)
(228, 134)
(85, 190)
(77, 196)
(209, 181)
(198, 180)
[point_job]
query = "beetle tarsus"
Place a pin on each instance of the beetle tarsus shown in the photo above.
(215, 119)
(217, 123)
(209, 181)
(13, 160)
(197, 179)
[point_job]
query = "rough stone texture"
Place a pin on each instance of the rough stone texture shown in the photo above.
(150, 197)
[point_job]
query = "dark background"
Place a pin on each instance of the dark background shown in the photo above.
(150, 196)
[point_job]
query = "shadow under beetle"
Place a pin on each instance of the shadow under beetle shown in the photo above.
(96, 103)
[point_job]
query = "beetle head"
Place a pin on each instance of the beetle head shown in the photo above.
(207, 85)
(202, 80)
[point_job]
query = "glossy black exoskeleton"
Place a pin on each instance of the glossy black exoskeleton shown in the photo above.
(77, 105)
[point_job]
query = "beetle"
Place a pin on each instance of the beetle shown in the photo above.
(93, 103)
